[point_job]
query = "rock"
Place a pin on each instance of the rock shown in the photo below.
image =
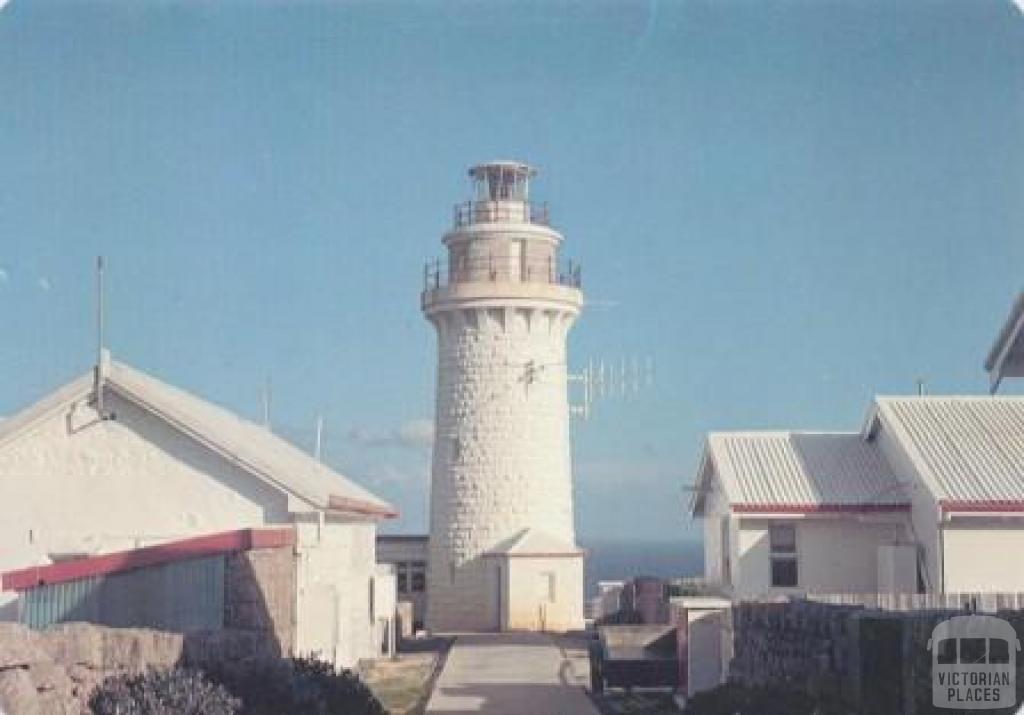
(55, 703)
(71, 643)
(19, 646)
(17, 694)
(49, 676)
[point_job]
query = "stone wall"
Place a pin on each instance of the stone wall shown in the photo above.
(872, 661)
(811, 644)
(53, 672)
(259, 594)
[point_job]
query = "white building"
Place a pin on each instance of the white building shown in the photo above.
(502, 550)
(928, 496)
(159, 464)
(407, 555)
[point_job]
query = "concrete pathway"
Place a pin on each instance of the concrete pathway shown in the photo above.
(509, 674)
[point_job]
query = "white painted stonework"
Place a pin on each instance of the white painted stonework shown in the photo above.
(501, 461)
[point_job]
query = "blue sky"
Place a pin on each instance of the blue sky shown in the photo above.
(789, 206)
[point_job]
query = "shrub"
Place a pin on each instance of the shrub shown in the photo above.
(299, 685)
(162, 692)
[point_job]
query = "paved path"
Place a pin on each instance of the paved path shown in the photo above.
(509, 674)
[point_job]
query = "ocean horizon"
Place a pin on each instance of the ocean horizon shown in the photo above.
(613, 560)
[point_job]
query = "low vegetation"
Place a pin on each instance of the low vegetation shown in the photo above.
(282, 687)
(162, 692)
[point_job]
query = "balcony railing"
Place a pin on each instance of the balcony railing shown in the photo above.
(471, 212)
(499, 268)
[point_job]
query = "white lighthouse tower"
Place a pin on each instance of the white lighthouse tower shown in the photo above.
(502, 552)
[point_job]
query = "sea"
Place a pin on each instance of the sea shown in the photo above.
(623, 560)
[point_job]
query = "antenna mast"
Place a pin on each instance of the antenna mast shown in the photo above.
(99, 337)
(319, 436)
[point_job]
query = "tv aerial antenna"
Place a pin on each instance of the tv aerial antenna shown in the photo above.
(624, 378)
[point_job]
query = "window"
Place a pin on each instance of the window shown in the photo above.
(411, 576)
(418, 576)
(401, 577)
(782, 540)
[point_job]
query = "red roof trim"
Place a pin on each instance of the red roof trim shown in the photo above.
(982, 506)
(359, 506)
(537, 554)
(208, 545)
(818, 508)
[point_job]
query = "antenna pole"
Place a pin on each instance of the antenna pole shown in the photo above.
(266, 403)
(99, 336)
(319, 436)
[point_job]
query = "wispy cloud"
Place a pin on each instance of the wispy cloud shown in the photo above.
(415, 434)
(1020, 5)
(5, 276)
(44, 283)
(386, 475)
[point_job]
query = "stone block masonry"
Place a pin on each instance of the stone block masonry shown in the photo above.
(54, 672)
(259, 595)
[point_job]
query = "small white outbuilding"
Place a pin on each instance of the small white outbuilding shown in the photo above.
(149, 463)
(928, 496)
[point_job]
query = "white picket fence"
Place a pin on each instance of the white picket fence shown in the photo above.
(983, 602)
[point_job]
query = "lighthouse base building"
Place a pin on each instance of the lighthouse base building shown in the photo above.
(502, 548)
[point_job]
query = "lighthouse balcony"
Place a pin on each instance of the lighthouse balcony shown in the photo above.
(469, 213)
(501, 269)
(489, 281)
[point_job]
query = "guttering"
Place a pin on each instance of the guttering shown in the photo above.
(360, 507)
(210, 545)
(990, 506)
(804, 509)
(535, 554)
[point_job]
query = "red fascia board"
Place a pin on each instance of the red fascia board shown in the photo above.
(359, 506)
(197, 547)
(547, 555)
(982, 507)
(818, 508)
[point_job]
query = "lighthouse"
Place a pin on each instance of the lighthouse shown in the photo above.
(502, 551)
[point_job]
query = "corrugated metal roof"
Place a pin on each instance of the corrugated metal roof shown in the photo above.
(967, 449)
(802, 470)
(253, 447)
